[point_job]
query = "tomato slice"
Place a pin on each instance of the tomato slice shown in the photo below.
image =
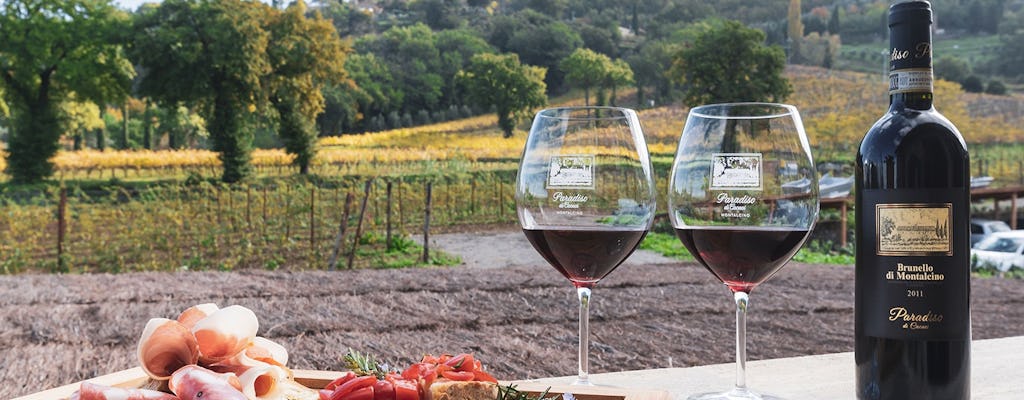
(383, 390)
(441, 368)
(342, 391)
(406, 389)
(363, 393)
(462, 362)
(427, 378)
(459, 375)
(483, 376)
(414, 371)
(339, 380)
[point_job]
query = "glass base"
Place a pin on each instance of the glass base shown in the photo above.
(735, 394)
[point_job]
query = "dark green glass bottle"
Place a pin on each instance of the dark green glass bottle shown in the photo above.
(912, 297)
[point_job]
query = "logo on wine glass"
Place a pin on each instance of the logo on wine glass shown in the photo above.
(736, 171)
(571, 172)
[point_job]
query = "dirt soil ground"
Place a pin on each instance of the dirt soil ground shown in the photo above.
(505, 304)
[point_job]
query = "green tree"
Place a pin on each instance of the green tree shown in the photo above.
(371, 92)
(1010, 61)
(649, 67)
(538, 39)
(182, 126)
(795, 32)
(585, 68)
(211, 53)
(79, 118)
(833, 21)
(502, 82)
(4, 110)
(306, 55)
(996, 87)
(412, 56)
(950, 68)
(973, 84)
(49, 49)
(457, 47)
(729, 62)
(438, 14)
(617, 74)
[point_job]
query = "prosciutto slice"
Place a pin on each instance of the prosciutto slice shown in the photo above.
(193, 314)
(225, 333)
(258, 379)
(165, 346)
(193, 382)
(268, 351)
(93, 391)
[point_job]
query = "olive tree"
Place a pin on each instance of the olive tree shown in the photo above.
(48, 50)
(502, 82)
(212, 54)
(306, 55)
(729, 62)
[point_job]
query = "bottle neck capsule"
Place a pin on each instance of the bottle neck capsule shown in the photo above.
(910, 55)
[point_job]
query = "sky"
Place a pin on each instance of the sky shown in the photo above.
(131, 5)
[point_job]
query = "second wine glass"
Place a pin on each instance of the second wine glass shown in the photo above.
(585, 197)
(743, 197)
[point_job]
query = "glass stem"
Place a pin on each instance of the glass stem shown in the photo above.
(584, 361)
(741, 340)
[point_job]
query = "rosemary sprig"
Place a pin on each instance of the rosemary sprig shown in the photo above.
(511, 393)
(365, 364)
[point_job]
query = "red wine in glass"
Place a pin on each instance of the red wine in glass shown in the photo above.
(742, 257)
(585, 256)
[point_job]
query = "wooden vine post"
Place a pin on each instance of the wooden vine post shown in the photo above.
(312, 220)
(387, 219)
(264, 205)
(342, 226)
(248, 207)
(426, 225)
(62, 226)
(359, 226)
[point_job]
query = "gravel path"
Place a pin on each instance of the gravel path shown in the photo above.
(504, 248)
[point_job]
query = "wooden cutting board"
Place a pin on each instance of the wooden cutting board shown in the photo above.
(135, 377)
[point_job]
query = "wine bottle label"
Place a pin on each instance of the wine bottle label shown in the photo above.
(731, 171)
(910, 81)
(913, 229)
(571, 172)
(917, 280)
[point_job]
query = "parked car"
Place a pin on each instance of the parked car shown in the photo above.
(1003, 250)
(980, 228)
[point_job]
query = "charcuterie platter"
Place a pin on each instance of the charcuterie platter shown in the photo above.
(209, 352)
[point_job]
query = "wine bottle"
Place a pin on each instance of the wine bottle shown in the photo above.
(912, 289)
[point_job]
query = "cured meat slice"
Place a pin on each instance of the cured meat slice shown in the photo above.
(268, 351)
(193, 314)
(165, 346)
(93, 391)
(193, 382)
(226, 332)
(258, 379)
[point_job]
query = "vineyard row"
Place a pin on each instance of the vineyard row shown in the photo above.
(219, 227)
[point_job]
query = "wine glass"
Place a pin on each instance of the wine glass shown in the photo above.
(585, 197)
(742, 198)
